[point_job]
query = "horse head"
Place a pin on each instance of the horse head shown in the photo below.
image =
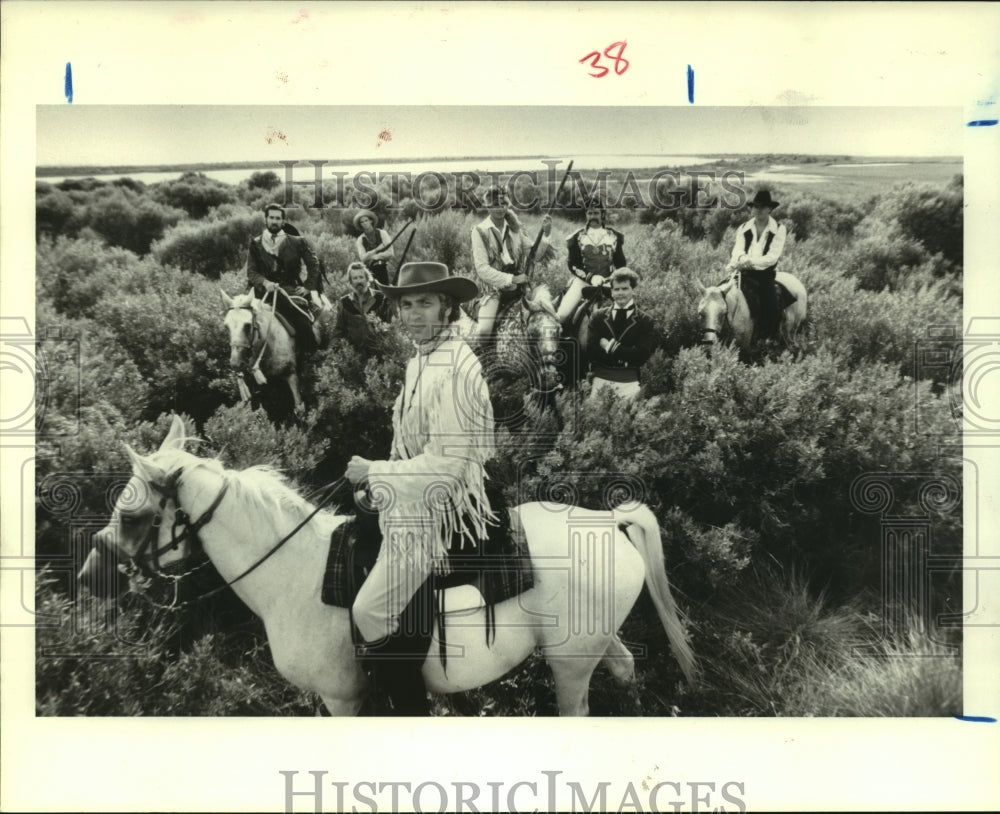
(543, 331)
(242, 324)
(713, 311)
(141, 539)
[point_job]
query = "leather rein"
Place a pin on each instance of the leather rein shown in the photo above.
(144, 564)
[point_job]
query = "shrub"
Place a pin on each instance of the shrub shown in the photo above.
(128, 219)
(210, 246)
(927, 214)
(195, 193)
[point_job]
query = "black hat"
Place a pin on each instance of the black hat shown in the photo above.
(763, 198)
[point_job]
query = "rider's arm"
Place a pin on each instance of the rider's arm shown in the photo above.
(773, 251)
(618, 258)
(459, 433)
(481, 262)
(598, 331)
(386, 253)
(255, 274)
(574, 257)
(638, 346)
(737, 255)
(312, 266)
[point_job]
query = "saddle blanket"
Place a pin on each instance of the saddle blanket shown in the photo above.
(500, 571)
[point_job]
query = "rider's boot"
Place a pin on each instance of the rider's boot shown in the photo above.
(396, 670)
(394, 664)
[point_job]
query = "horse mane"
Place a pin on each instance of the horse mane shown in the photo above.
(263, 493)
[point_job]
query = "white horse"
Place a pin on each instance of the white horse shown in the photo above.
(589, 568)
(724, 305)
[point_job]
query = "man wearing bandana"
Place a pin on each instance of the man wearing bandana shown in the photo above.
(274, 261)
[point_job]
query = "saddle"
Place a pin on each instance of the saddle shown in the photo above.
(498, 570)
(301, 304)
(782, 295)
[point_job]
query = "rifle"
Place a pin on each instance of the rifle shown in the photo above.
(402, 259)
(530, 259)
(382, 248)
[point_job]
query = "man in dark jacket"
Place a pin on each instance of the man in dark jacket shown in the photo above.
(621, 338)
(357, 308)
(274, 261)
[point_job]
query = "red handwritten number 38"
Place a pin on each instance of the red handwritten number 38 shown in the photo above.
(613, 51)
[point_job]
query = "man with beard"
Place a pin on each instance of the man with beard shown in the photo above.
(274, 271)
(359, 306)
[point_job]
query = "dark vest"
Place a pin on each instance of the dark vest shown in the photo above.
(748, 241)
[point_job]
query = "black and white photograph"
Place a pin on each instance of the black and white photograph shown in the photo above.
(620, 445)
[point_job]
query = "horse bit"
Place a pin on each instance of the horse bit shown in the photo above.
(144, 565)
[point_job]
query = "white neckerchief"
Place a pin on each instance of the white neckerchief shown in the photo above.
(272, 244)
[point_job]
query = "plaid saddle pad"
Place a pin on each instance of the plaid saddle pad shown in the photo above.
(500, 568)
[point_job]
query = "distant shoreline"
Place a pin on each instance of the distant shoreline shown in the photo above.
(122, 169)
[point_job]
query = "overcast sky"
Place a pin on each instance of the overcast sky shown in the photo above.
(175, 134)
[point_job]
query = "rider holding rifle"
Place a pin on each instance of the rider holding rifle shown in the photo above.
(374, 245)
(274, 271)
(500, 249)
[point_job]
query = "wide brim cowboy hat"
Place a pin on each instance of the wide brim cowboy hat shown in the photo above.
(365, 213)
(420, 278)
(763, 198)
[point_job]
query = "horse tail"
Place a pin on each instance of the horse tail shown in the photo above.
(643, 530)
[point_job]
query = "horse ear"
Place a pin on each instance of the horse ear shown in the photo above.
(226, 299)
(144, 468)
(701, 285)
(177, 435)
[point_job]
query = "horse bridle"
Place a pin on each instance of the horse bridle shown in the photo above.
(545, 358)
(254, 328)
(734, 280)
(138, 569)
(144, 564)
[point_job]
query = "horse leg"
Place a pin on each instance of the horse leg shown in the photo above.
(572, 679)
(619, 661)
(293, 385)
(342, 707)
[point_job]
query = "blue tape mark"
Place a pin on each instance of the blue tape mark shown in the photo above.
(69, 82)
(690, 84)
(983, 123)
(977, 719)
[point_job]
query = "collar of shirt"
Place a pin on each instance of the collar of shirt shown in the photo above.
(597, 235)
(272, 244)
(501, 233)
(365, 300)
(629, 306)
(772, 226)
